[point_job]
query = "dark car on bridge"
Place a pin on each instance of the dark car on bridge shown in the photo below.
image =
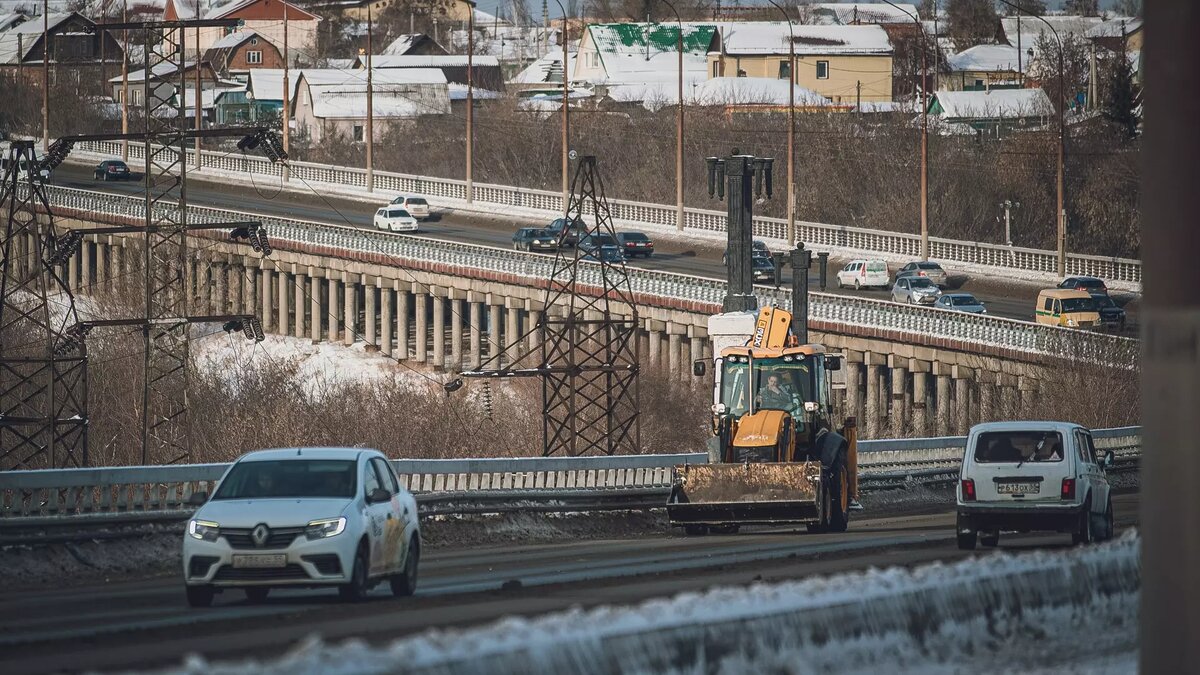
(573, 231)
(1112, 315)
(635, 243)
(534, 239)
(1090, 284)
(759, 250)
(112, 169)
(763, 270)
(591, 242)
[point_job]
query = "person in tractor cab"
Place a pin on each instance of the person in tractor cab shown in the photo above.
(774, 396)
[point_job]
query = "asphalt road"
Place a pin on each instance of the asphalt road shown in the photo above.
(146, 623)
(1010, 300)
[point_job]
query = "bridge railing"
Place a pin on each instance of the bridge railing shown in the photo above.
(816, 235)
(828, 312)
(139, 493)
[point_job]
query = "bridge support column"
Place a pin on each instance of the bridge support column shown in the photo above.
(102, 266)
(370, 317)
(456, 330)
(920, 397)
(85, 253)
(203, 288)
(422, 321)
(265, 276)
(962, 396)
(234, 287)
(299, 281)
(512, 329)
(116, 254)
(493, 327)
(534, 314)
(942, 395)
(854, 399)
(220, 285)
(1008, 397)
(899, 413)
(439, 328)
(654, 331)
(385, 316)
(402, 321)
(349, 313)
(283, 312)
(73, 272)
(1027, 388)
(875, 364)
(314, 305)
(673, 343)
(987, 396)
(695, 353)
(334, 294)
(475, 356)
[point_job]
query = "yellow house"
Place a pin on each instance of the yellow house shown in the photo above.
(842, 63)
(449, 12)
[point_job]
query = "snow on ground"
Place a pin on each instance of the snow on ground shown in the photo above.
(1040, 611)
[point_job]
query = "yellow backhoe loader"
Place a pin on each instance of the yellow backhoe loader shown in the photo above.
(775, 457)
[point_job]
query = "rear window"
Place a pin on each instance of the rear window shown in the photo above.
(1103, 301)
(998, 447)
(876, 266)
(634, 236)
(416, 201)
(929, 266)
(1091, 283)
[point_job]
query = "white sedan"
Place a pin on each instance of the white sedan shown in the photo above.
(395, 219)
(303, 517)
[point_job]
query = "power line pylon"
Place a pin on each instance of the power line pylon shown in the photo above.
(43, 378)
(587, 353)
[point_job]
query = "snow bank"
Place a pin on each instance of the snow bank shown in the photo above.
(1040, 611)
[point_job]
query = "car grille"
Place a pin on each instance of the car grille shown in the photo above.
(239, 537)
(199, 565)
(326, 563)
(1085, 324)
(230, 573)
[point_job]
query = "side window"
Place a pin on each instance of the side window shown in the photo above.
(1089, 446)
(1057, 311)
(370, 479)
(1049, 305)
(388, 478)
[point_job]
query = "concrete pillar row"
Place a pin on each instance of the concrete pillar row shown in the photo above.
(439, 331)
(349, 308)
(493, 331)
(943, 404)
(872, 408)
(899, 413)
(422, 326)
(402, 322)
(370, 315)
(283, 286)
(314, 305)
(334, 294)
(456, 333)
(299, 283)
(266, 276)
(386, 298)
(854, 399)
(962, 399)
(475, 356)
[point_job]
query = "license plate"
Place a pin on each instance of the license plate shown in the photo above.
(641, 244)
(266, 560)
(1016, 488)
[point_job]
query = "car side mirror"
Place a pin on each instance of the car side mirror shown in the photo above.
(198, 499)
(1110, 458)
(833, 363)
(699, 367)
(378, 495)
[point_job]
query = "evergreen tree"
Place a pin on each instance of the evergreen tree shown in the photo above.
(1119, 100)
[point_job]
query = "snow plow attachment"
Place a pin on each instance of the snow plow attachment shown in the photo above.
(753, 493)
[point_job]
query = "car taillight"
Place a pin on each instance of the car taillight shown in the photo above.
(968, 490)
(1068, 488)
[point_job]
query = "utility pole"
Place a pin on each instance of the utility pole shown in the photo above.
(924, 135)
(45, 75)
(679, 213)
(370, 105)
(566, 114)
(287, 96)
(744, 178)
(791, 138)
(1008, 205)
(470, 100)
(199, 90)
(125, 82)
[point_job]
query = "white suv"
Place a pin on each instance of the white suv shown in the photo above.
(1032, 476)
(395, 219)
(864, 273)
(303, 517)
(417, 206)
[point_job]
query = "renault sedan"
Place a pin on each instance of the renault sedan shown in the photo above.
(303, 517)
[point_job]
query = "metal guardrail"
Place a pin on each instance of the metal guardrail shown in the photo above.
(691, 293)
(122, 495)
(816, 235)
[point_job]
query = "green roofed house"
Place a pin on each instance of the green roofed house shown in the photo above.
(639, 62)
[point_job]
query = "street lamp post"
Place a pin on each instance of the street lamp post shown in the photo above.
(470, 100)
(924, 135)
(566, 116)
(1060, 215)
(679, 216)
(791, 151)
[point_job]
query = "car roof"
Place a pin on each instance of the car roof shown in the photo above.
(1033, 425)
(1064, 293)
(305, 453)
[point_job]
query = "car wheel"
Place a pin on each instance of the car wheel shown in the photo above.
(966, 536)
(857, 285)
(200, 596)
(990, 540)
(104, 177)
(1083, 535)
(1102, 525)
(356, 590)
(405, 583)
(257, 594)
(695, 530)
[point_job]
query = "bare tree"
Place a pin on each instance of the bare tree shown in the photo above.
(971, 22)
(1082, 7)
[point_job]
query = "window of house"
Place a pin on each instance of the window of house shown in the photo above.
(253, 41)
(254, 57)
(785, 70)
(716, 69)
(822, 70)
(358, 133)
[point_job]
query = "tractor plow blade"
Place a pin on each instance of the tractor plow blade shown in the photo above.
(745, 494)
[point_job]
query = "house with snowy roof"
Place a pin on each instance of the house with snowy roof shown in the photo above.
(333, 103)
(236, 54)
(263, 17)
(633, 62)
(413, 44)
(74, 42)
(992, 111)
(984, 67)
(844, 64)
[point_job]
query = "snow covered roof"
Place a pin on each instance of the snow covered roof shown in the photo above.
(993, 103)
(1031, 27)
(848, 13)
(379, 77)
(546, 70)
(458, 92)
(771, 37)
(339, 102)
(985, 58)
(233, 39)
(11, 19)
(638, 53)
(429, 61)
(402, 44)
(753, 91)
(1112, 28)
(158, 72)
(266, 84)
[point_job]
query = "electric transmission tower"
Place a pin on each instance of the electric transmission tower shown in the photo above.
(43, 377)
(587, 354)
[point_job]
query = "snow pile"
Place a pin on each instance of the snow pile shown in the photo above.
(1014, 613)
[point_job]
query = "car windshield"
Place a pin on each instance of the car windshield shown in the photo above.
(997, 447)
(764, 263)
(289, 479)
(634, 236)
(783, 385)
(960, 300)
(929, 266)
(398, 213)
(1078, 305)
(921, 282)
(1103, 301)
(1090, 283)
(603, 240)
(876, 266)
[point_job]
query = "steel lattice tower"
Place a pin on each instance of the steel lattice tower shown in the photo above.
(43, 378)
(587, 350)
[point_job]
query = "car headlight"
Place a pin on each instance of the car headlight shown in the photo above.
(327, 527)
(204, 529)
(1072, 322)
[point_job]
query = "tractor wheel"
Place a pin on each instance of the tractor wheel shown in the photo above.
(839, 498)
